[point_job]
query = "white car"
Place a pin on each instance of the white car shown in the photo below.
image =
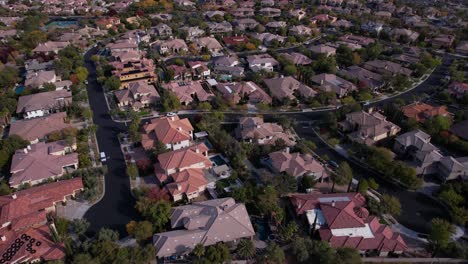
(103, 157)
(86, 82)
(171, 114)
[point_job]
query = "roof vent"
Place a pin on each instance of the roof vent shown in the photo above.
(14, 196)
(3, 238)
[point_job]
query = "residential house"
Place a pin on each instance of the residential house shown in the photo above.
(213, 13)
(50, 47)
(193, 32)
(24, 218)
(122, 46)
(267, 38)
(298, 13)
(460, 129)
(462, 48)
(188, 184)
(235, 92)
(276, 25)
(368, 127)
(323, 49)
(175, 46)
(39, 78)
(387, 68)
(40, 104)
(133, 70)
(442, 41)
(35, 129)
(363, 41)
(343, 24)
(229, 66)
(422, 112)
(173, 132)
(199, 69)
(297, 58)
(219, 28)
(405, 34)
(210, 44)
(270, 12)
(300, 30)
(235, 41)
(365, 77)
(296, 164)
(192, 157)
(41, 162)
(458, 89)
(427, 159)
(245, 24)
(186, 91)
(343, 221)
(262, 62)
(203, 223)
(162, 30)
(332, 83)
(107, 22)
(136, 96)
(288, 87)
(243, 12)
(254, 130)
(323, 19)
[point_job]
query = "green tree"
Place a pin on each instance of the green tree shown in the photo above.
(170, 101)
(290, 70)
(437, 124)
(198, 250)
(132, 171)
(245, 249)
(30, 40)
(372, 183)
(363, 186)
(9, 76)
(157, 213)
(218, 253)
(112, 83)
(288, 232)
(347, 256)
(440, 234)
(344, 56)
(301, 249)
(143, 230)
(274, 254)
(4, 188)
(343, 175)
(390, 205)
(79, 226)
(106, 234)
(81, 73)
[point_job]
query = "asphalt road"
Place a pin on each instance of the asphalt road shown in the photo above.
(116, 208)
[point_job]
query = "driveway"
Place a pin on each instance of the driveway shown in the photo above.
(116, 208)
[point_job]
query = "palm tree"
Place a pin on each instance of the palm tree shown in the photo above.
(245, 249)
(199, 250)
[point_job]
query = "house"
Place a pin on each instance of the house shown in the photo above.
(39, 78)
(286, 87)
(162, 30)
(296, 164)
(24, 217)
(368, 127)
(173, 132)
(199, 69)
(422, 112)
(188, 184)
(276, 25)
(323, 19)
(50, 47)
(235, 41)
(442, 41)
(193, 32)
(458, 89)
(300, 30)
(172, 46)
(245, 24)
(332, 83)
(186, 91)
(427, 159)
(262, 62)
(323, 49)
(203, 223)
(267, 38)
(243, 12)
(40, 104)
(211, 14)
(297, 58)
(107, 22)
(228, 65)
(343, 24)
(137, 95)
(460, 129)
(192, 157)
(40, 162)
(219, 28)
(235, 92)
(270, 12)
(343, 221)
(298, 13)
(38, 128)
(134, 70)
(403, 33)
(387, 68)
(209, 43)
(365, 77)
(462, 48)
(363, 41)
(123, 46)
(180, 72)
(254, 130)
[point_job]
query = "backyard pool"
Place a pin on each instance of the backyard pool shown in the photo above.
(218, 160)
(262, 228)
(19, 89)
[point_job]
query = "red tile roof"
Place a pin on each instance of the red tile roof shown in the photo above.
(184, 158)
(421, 111)
(168, 130)
(187, 181)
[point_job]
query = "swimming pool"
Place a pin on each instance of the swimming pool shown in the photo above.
(19, 89)
(62, 24)
(218, 160)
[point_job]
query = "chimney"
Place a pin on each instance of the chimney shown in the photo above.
(287, 150)
(179, 187)
(321, 82)
(179, 128)
(3, 237)
(29, 147)
(25, 150)
(13, 196)
(333, 203)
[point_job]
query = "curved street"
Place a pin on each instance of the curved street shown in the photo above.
(116, 208)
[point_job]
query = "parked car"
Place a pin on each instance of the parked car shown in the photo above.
(103, 157)
(333, 164)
